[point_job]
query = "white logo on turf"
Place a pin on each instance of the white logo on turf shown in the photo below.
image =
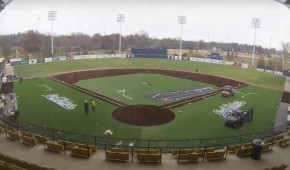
(229, 108)
(61, 101)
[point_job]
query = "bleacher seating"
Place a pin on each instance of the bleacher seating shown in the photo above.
(40, 139)
(116, 154)
(67, 144)
(149, 156)
(28, 140)
(215, 155)
(142, 155)
(233, 148)
(244, 151)
(279, 167)
(9, 163)
(54, 146)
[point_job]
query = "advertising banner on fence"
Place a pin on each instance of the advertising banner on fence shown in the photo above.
(246, 66)
(15, 63)
(62, 58)
(200, 59)
(193, 59)
(278, 73)
(259, 69)
(185, 58)
(79, 57)
(100, 56)
(269, 71)
(92, 56)
(24, 62)
(55, 59)
(207, 60)
(14, 59)
(32, 61)
(216, 61)
(48, 59)
(40, 60)
(229, 63)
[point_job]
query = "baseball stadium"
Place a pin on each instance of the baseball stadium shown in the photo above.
(141, 110)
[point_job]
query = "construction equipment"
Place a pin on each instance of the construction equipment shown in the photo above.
(228, 91)
(239, 117)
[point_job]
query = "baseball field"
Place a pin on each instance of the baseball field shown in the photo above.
(49, 100)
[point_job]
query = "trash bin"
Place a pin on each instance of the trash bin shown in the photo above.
(257, 149)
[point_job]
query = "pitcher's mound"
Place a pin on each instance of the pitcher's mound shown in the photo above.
(143, 115)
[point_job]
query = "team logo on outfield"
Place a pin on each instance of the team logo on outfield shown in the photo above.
(229, 108)
(61, 101)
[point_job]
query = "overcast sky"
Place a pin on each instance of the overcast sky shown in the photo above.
(213, 20)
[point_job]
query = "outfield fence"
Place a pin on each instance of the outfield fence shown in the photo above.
(166, 145)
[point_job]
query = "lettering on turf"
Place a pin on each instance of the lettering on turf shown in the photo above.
(47, 88)
(61, 101)
(123, 93)
(229, 108)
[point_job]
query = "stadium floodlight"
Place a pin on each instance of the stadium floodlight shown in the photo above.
(181, 21)
(4, 3)
(120, 19)
(52, 17)
(255, 25)
(285, 2)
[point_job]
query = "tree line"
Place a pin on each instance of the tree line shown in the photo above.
(33, 42)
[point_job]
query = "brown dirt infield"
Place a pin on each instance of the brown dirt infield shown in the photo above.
(143, 115)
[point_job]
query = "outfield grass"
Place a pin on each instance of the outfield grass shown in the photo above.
(247, 75)
(196, 120)
(136, 87)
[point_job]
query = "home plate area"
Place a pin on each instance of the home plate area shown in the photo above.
(179, 94)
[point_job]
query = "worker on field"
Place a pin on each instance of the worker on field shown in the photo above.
(86, 106)
(93, 103)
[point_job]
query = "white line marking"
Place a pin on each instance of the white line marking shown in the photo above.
(123, 93)
(244, 96)
(93, 94)
(49, 89)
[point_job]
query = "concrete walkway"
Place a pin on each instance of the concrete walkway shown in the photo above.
(59, 161)
(9, 70)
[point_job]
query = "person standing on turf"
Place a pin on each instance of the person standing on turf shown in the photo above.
(86, 106)
(93, 103)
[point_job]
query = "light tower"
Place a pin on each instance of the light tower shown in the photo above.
(120, 19)
(3, 4)
(181, 21)
(52, 17)
(255, 25)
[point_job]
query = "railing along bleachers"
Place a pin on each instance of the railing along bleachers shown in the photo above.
(62, 143)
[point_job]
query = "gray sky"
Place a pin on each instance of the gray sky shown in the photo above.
(219, 20)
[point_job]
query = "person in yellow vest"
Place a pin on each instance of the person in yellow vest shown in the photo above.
(93, 103)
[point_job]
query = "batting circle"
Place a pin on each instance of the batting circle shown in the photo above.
(143, 115)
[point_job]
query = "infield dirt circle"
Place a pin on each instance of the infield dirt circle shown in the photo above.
(143, 115)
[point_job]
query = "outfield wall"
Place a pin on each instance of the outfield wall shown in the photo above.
(19, 61)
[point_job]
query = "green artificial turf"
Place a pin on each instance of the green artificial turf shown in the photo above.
(137, 86)
(192, 121)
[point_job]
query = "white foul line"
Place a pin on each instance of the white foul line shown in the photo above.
(49, 89)
(123, 93)
(244, 96)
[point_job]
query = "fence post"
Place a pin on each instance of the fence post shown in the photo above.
(240, 139)
(148, 146)
(52, 135)
(95, 140)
